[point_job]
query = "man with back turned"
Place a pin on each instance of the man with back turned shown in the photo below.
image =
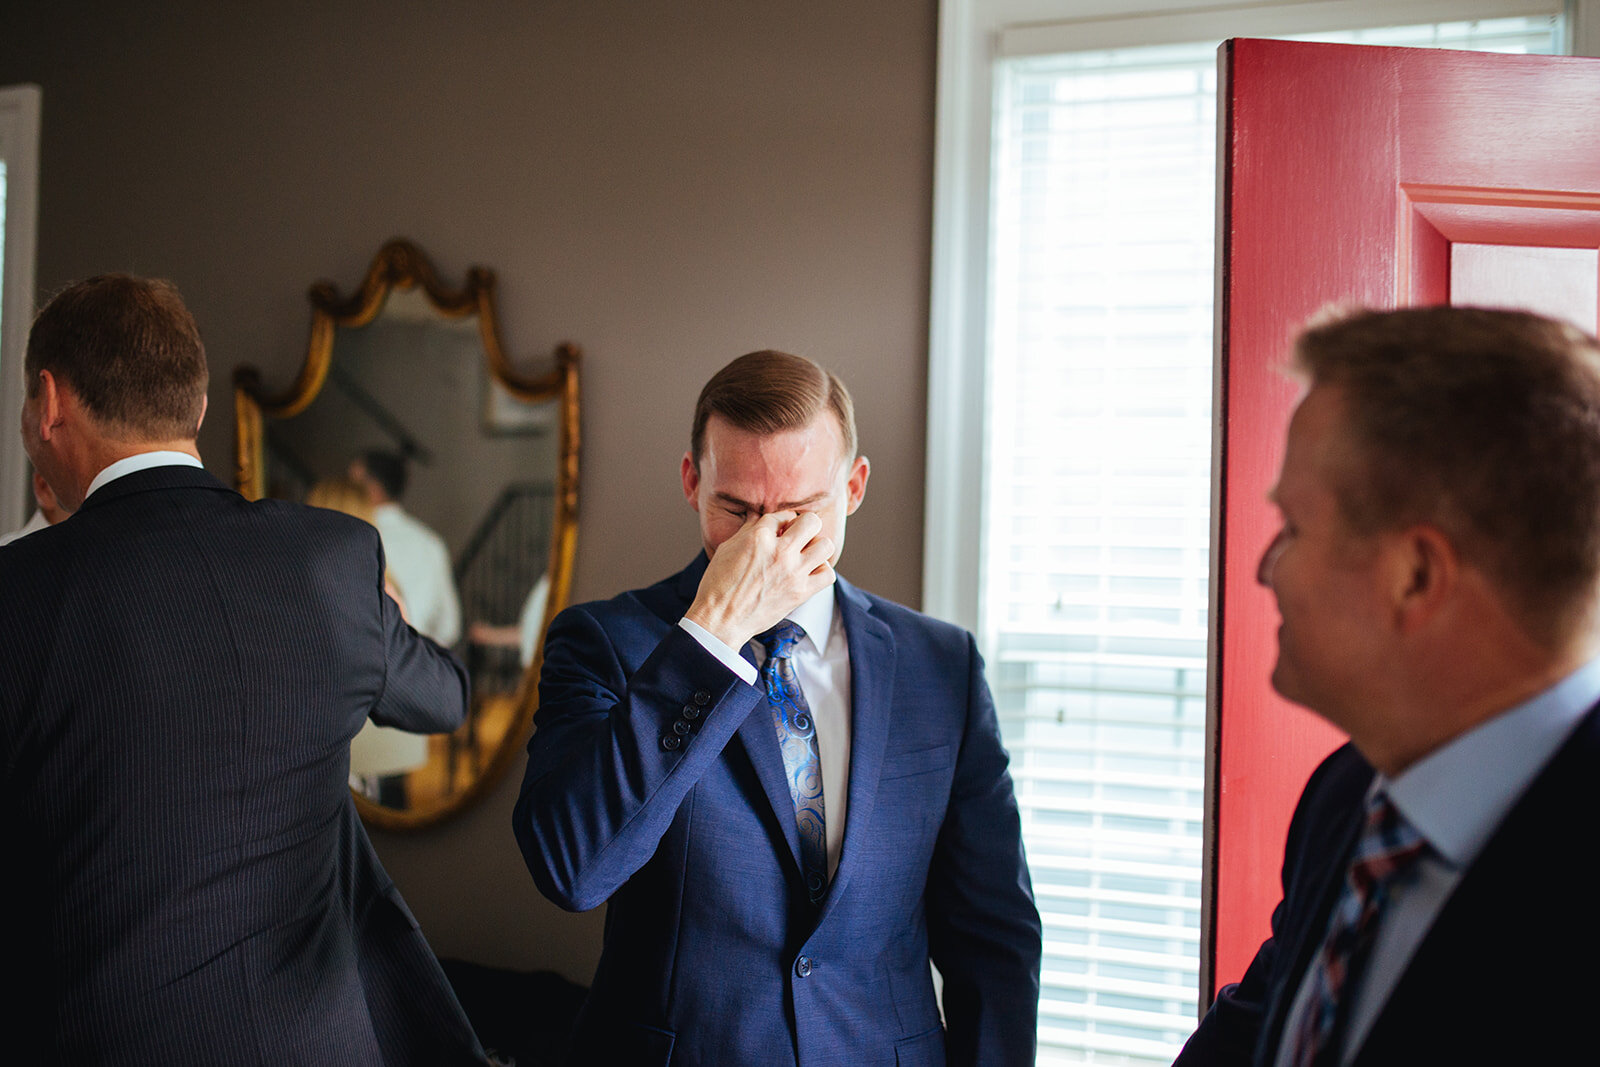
(183, 670)
(790, 793)
(1436, 574)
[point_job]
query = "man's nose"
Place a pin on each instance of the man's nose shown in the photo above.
(1269, 559)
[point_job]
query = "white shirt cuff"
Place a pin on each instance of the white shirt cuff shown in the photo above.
(714, 645)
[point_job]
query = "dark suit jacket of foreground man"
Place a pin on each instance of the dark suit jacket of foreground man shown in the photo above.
(1508, 973)
(713, 953)
(188, 881)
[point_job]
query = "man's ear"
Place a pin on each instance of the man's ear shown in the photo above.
(855, 487)
(691, 481)
(1423, 574)
(201, 421)
(52, 403)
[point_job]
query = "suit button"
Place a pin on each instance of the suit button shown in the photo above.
(691, 712)
(702, 697)
(671, 742)
(680, 727)
(802, 966)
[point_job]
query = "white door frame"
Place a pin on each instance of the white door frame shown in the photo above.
(19, 148)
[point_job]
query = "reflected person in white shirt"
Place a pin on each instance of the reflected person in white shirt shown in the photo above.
(417, 556)
(49, 511)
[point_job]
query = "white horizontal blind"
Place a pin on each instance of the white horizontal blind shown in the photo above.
(1096, 527)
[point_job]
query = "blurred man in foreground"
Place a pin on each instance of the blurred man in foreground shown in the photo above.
(1436, 575)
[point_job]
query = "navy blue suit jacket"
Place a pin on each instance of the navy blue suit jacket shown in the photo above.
(1506, 974)
(713, 954)
(188, 883)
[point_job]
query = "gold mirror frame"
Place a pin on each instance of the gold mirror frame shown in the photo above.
(401, 265)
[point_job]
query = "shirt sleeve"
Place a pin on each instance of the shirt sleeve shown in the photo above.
(715, 645)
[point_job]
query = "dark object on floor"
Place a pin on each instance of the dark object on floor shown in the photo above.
(524, 1016)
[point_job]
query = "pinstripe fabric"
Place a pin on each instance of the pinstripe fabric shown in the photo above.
(182, 674)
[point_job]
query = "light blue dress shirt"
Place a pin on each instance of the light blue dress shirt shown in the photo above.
(1456, 797)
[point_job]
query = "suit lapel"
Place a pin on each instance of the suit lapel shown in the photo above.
(1307, 938)
(760, 739)
(757, 734)
(1486, 924)
(872, 667)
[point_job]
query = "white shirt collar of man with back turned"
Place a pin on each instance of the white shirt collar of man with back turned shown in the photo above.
(143, 461)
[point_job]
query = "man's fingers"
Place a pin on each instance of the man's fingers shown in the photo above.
(822, 576)
(800, 527)
(818, 550)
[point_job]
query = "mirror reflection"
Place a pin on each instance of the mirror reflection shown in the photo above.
(466, 465)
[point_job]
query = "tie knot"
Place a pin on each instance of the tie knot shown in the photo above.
(781, 638)
(1388, 842)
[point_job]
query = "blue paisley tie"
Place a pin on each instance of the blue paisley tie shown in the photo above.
(797, 739)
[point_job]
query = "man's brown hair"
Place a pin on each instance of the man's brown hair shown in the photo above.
(131, 352)
(1485, 424)
(766, 392)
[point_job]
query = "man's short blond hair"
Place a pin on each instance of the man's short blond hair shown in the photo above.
(767, 392)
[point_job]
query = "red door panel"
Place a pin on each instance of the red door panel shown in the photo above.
(1347, 172)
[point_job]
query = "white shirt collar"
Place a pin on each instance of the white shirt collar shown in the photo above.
(141, 462)
(1458, 795)
(815, 617)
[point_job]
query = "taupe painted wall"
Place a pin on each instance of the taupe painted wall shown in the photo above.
(668, 183)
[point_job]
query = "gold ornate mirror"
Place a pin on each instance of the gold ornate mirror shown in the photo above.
(408, 412)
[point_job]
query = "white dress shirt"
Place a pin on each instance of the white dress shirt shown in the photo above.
(822, 667)
(1455, 797)
(419, 563)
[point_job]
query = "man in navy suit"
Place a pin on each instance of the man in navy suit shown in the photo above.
(1437, 576)
(792, 793)
(182, 672)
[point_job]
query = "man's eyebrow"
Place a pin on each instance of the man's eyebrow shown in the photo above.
(791, 505)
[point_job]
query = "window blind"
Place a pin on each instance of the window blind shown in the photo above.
(1094, 582)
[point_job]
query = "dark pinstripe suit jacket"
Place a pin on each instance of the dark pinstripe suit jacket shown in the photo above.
(181, 672)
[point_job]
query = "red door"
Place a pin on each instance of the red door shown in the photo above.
(1366, 176)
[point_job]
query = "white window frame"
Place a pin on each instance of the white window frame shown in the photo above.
(19, 147)
(972, 34)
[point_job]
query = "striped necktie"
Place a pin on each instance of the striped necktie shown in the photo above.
(1383, 858)
(797, 739)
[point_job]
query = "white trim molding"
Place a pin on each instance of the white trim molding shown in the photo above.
(19, 148)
